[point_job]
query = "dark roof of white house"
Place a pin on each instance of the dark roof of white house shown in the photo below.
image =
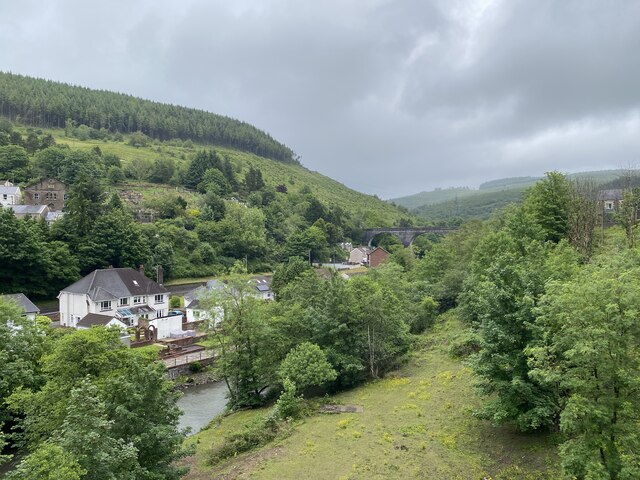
(614, 194)
(114, 283)
(22, 301)
(94, 319)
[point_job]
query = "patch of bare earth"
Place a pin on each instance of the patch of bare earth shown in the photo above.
(238, 469)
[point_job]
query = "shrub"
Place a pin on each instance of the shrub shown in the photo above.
(288, 405)
(195, 367)
(255, 434)
(175, 302)
(464, 344)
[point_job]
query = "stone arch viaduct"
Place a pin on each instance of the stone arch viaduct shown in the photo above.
(405, 234)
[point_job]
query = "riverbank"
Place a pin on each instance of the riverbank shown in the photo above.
(205, 377)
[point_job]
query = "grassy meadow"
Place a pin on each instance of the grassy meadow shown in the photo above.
(417, 423)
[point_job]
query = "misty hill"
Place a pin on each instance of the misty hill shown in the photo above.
(48, 104)
(493, 195)
(481, 204)
(434, 196)
(508, 182)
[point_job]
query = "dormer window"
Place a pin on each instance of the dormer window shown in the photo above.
(124, 301)
(106, 305)
(159, 299)
(138, 300)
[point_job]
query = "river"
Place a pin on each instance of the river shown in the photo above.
(201, 403)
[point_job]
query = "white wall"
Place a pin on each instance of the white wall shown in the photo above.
(357, 256)
(73, 306)
(11, 199)
(203, 315)
(167, 325)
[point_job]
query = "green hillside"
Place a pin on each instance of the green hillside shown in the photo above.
(201, 207)
(462, 203)
(44, 103)
(434, 196)
(296, 178)
(481, 204)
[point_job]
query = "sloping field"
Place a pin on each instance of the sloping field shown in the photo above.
(417, 423)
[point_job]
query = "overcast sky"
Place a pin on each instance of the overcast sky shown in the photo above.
(388, 97)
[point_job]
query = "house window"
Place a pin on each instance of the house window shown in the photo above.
(608, 205)
(196, 314)
(105, 305)
(137, 300)
(158, 313)
(159, 298)
(124, 301)
(5, 196)
(36, 196)
(65, 197)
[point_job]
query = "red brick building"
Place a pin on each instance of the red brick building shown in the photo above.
(377, 256)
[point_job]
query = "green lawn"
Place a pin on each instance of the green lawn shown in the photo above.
(417, 423)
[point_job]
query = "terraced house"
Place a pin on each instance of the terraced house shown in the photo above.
(121, 294)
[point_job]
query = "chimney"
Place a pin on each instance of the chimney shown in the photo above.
(141, 269)
(159, 274)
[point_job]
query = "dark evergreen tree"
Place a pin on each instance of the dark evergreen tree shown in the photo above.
(253, 180)
(201, 162)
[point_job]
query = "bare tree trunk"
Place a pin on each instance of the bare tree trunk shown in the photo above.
(583, 216)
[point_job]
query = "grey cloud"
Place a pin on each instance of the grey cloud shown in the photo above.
(389, 97)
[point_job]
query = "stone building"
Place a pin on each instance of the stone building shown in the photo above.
(50, 192)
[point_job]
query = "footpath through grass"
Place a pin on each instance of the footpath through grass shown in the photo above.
(417, 423)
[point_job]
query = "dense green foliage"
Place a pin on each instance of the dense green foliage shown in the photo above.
(552, 323)
(250, 210)
(590, 357)
(108, 408)
(97, 114)
(306, 366)
(321, 332)
(31, 259)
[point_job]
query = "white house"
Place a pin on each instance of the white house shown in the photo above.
(123, 294)
(193, 306)
(20, 299)
(263, 286)
(9, 194)
(359, 255)
(195, 311)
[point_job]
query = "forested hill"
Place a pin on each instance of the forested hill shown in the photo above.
(44, 103)
(458, 204)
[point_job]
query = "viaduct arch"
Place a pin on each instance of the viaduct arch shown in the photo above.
(405, 234)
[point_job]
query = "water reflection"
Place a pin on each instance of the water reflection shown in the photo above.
(201, 403)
